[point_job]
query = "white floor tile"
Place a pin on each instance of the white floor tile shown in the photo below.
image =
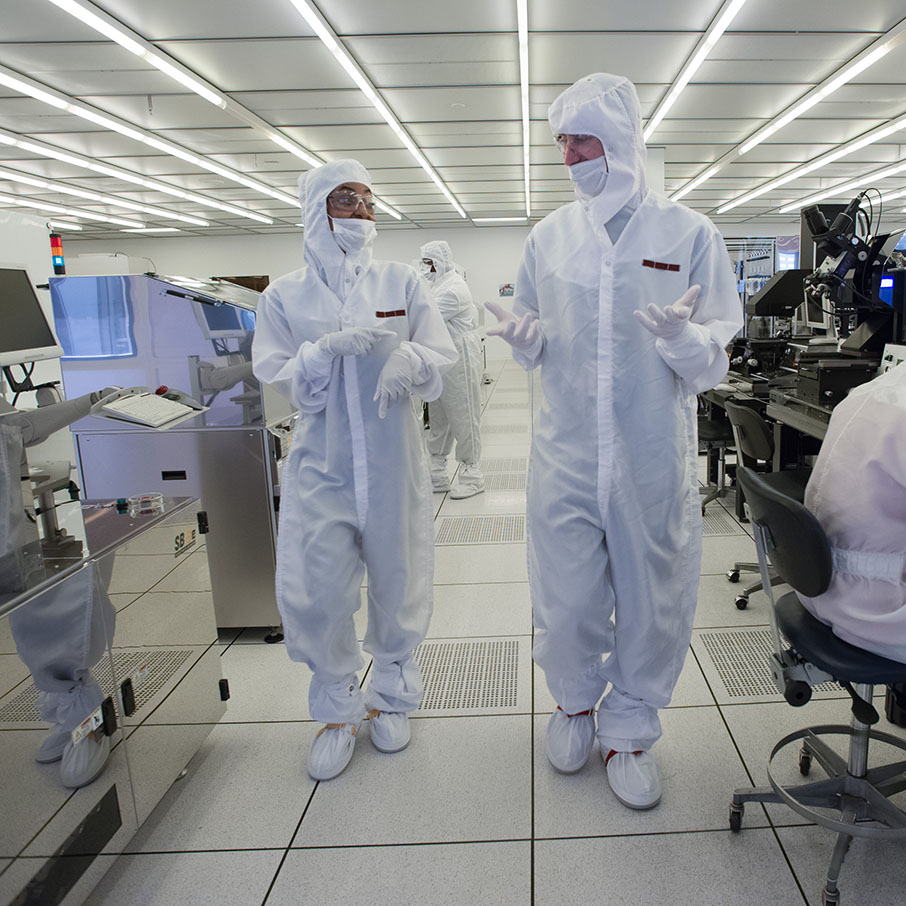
(498, 608)
(265, 685)
(757, 728)
(487, 502)
(188, 879)
(460, 779)
(707, 869)
(720, 552)
(873, 873)
(716, 607)
(440, 875)
(246, 788)
(699, 771)
(480, 563)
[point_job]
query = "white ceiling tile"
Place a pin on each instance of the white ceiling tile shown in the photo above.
(643, 57)
(831, 15)
(362, 17)
(163, 20)
(465, 103)
(244, 65)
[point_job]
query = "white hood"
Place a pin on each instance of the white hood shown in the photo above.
(440, 253)
(319, 247)
(607, 107)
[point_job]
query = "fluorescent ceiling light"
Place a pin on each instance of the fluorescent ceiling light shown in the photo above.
(322, 29)
(695, 183)
(498, 219)
(522, 25)
(77, 160)
(383, 206)
(63, 225)
(718, 26)
(42, 92)
(845, 187)
(875, 135)
(108, 26)
(845, 74)
(154, 230)
(112, 200)
(73, 212)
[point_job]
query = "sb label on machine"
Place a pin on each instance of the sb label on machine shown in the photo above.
(184, 541)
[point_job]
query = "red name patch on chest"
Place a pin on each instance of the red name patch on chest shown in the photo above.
(659, 265)
(400, 313)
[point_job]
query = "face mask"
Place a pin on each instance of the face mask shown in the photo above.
(353, 235)
(589, 176)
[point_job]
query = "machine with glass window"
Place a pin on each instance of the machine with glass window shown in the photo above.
(191, 336)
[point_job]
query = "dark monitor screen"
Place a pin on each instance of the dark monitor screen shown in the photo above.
(25, 335)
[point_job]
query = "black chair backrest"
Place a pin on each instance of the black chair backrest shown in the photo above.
(755, 438)
(802, 553)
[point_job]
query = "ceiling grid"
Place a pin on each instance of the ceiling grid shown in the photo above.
(789, 103)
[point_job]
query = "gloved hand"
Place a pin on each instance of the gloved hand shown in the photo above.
(521, 333)
(353, 340)
(394, 381)
(670, 321)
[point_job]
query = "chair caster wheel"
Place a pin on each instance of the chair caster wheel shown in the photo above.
(733, 575)
(805, 763)
(736, 818)
(797, 693)
(742, 602)
(830, 899)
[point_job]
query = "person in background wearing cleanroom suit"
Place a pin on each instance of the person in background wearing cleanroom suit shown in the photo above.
(456, 415)
(625, 300)
(348, 339)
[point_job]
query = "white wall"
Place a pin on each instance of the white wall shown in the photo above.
(490, 255)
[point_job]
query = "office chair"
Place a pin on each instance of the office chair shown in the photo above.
(717, 436)
(788, 535)
(755, 449)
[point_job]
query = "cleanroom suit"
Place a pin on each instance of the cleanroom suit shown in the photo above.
(857, 492)
(613, 514)
(355, 489)
(456, 414)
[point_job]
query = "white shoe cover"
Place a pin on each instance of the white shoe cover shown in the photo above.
(569, 740)
(390, 731)
(634, 778)
(54, 744)
(469, 483)
(83, 761)
(331, 750)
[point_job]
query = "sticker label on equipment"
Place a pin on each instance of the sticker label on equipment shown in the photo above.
(184, 541)
(89, 725)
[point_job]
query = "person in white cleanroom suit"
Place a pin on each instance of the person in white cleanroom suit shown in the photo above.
(64, 632)
(348, 339)
(626, 301)
(457, 413)
(865, 451)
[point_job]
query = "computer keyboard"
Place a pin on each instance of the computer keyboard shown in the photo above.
(147, 409)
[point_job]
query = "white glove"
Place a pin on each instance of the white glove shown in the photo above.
(353, 340)
(394, 381)
(521, 333)
(670, 321)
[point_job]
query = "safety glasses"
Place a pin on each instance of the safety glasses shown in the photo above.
(349, 201)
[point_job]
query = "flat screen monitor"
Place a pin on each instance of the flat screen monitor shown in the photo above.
(815, 315)
(221, 322)
(25, 332)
